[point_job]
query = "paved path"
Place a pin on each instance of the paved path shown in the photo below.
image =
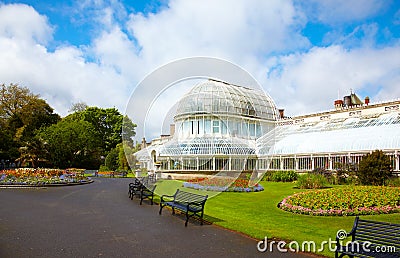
(99, 220)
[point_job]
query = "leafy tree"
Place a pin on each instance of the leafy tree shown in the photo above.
(374, 168)
(33, 154)
(8, 150)
(31, 117)
(117, 157)
(22, 114)
(72, 144)
(111, 160)
(108, 124)
(78, 107)
(12, 98)
(128, 131)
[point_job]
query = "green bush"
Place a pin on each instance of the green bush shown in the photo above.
(284, 176)
(346, 173)
(325, 173)
(268, 175)
(280, 176)
(374, 168)
(311, 181)
(393, 181)
(103, 168)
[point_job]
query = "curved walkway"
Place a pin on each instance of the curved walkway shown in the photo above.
(99, 220)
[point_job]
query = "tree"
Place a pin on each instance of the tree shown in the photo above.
(22, 114)
(128, 130)
(108, 124)
(33, 154)
(374, 168)
(72, 144)
(111, 160)
(12, 98)
(31, 117)
(78, 107)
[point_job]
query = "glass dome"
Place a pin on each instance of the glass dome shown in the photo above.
(221, 98)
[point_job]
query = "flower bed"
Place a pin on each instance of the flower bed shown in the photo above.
(346, 201)
(39, 177)
(222, 185)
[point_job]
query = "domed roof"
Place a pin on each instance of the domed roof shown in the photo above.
(220, 98)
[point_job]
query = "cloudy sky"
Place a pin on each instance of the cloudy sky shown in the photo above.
(303, 53)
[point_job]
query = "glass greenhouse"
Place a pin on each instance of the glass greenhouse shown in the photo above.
(322, 144)
(221, 126)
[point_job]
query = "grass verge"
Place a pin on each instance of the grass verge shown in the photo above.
(256, 214)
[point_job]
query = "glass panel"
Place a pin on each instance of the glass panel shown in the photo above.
(207, 126)
(215, 126)
(224, 127)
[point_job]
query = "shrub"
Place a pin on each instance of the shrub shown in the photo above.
(284, 176)
(268, 175)
(325, 173)
(393, 181)
(103, 168)
(375, 168)
(346, 173)
(311, 181)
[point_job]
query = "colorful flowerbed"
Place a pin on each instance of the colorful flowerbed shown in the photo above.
(34, 177)
(222, 185)
(356, 200)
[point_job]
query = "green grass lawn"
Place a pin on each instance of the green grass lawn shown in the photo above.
(256, 214)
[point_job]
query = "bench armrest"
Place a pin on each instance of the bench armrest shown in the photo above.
(198, 204)
(149, 188)
(351, 233)
(164, 196)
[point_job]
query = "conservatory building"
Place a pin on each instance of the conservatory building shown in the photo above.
(224, 127)
(216, 128)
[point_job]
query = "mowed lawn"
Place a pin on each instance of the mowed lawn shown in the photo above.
(257, 215)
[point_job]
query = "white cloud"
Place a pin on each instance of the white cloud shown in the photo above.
(61, 77)
(22, 23)
(264, 37)
(309, 82)
(341, 11)
(237, 31)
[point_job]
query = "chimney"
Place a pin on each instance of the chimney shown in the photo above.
(281, 113)
(338, 104)
(366, 100)
(172, 129)
(144, 144)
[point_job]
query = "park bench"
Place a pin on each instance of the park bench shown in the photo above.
(133, 187)
(190, 203)
(142, 188)
(370, 239)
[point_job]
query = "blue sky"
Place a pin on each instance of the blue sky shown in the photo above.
(302, 52)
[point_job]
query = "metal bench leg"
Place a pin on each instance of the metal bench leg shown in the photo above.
(187, 218)
(201, 218)
(160, 209)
